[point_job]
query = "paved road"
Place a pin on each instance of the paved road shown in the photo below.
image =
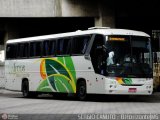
(14, 103)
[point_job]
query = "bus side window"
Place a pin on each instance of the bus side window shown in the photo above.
(59, 46)
(52, 46)
(32, 49)
(38, 48)
(22, 50)
(19, 50)
(49, 47)
(35, 49)
(46, 48)
(11, 51)
(64, 47)
(80, 44)
(25, 50)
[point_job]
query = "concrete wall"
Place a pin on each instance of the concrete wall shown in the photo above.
(78, 8)
(28, 8)
(101, 10)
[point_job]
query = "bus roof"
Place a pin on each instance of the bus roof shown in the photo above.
(103, 31)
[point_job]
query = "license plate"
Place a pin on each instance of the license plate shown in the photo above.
(132, 90)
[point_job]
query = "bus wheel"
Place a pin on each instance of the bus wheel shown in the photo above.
(25, 89)
(81, 90)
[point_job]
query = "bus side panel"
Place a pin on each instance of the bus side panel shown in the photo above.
(12, 71)
(17, 70)
(60, 74)
(57, 74)
(84, 69)
(32, 73)
(8, 75)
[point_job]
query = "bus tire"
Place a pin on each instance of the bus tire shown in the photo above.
(81, 90)
(25, 90)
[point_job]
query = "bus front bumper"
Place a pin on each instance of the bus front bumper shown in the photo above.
(145, 89)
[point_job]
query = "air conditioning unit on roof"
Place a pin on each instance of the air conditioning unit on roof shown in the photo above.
(91, 28)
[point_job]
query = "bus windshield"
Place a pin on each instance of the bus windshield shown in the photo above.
(126, 56)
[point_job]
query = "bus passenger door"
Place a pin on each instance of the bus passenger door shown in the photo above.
(98, 61)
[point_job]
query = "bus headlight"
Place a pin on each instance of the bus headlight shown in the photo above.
(148, 87)
(112, 84)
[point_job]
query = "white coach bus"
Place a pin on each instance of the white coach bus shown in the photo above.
(98, 60)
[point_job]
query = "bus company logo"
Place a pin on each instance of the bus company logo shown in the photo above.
(4, 116)
(18, 68)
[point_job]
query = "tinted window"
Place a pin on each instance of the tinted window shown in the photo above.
(22, 50)
(52, 46)
(49, 47)
(46, 48)
(11, 51)
(80, 44)
(35, 49)
(64, 47)
(19, 50)
(25, 50)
